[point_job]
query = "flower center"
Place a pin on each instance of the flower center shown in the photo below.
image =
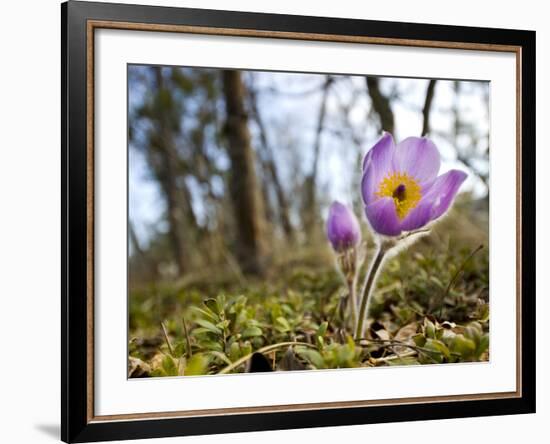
(404, 190)
(400, 193)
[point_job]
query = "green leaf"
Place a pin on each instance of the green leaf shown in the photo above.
(179, 349)
(466, 347)
(209, 326)
(221, 356)
(197, 365)
(429, 328)
(158, 373)
(320, 342)
(212, 305)
(169, 365)
(200, 331)
(345, 355)
(321, 331)
(234, 351)
(223, 324)
(246, 348)
(436, 281)
(483, 345)
(312, 356)
(474, 331)
(220, 301)
(440, 350)
(483, 312)
(282, 324)
(204, 313)
(251, 332)
(211, 345)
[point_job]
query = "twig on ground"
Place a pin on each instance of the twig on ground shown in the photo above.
(167, 339)
(455, 277)
(188, 350)
(262, 350)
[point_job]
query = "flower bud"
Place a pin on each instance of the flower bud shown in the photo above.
(343, 229)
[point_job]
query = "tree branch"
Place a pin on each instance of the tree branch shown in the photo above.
(428, 107)
(380, 104)
(268, 163)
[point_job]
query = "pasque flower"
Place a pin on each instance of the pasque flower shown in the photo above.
(343, 229)
(401, 189)
(402, 193)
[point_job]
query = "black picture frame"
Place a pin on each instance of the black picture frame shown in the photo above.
(76, 424)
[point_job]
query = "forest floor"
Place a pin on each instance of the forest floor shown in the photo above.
(431, 305)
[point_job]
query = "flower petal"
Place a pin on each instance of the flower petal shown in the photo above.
(382, 217)
(418, 157)
(444, 189)
(419, 216)
(376, 164)
(381, 153)
(436, 201)
(369, 183)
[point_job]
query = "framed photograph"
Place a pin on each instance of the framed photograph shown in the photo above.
(276, 221)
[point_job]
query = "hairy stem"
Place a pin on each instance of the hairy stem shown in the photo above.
(353, 299)
(368, 286)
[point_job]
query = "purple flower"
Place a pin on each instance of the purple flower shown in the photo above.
(400, 186)
(343, 229)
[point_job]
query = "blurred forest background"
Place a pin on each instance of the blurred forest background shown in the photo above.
(230, 177)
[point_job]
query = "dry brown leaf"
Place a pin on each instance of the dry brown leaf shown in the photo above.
(405, 335)
(137, 368)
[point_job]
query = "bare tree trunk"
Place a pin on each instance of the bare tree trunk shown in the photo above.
(310, 185)
(140, 261)
(243, 185)
(167, 177)
(271, 169)
(380, 104)
(264, 189)
(428, 107)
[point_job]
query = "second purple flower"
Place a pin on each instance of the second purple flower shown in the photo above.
(343, 230)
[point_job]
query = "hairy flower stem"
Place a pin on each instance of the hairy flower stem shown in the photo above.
(347, 263)
(368, 287)
(353, 299)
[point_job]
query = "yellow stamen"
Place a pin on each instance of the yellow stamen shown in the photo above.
(404, 190)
